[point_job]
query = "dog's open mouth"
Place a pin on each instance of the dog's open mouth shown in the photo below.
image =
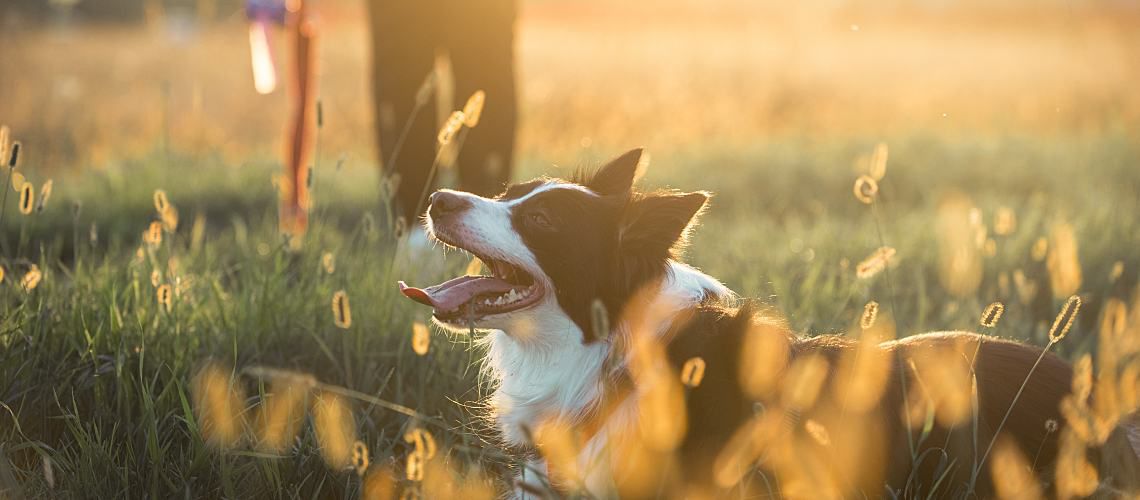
(468, 298)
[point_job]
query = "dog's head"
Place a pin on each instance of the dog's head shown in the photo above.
(555, 246)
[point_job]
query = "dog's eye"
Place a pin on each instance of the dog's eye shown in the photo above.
(539, 220)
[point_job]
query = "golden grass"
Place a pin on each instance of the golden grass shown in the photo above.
(870, 313)
(450, 128)
(32, 278)
(421, 338)
(27, 198)
(822, 455)
(1064, 320)
(342, 312)
(875, 263)
(992, 314)
(473, 109)
(45, 194)
(693, 372)
(866, 189)
(218, 405)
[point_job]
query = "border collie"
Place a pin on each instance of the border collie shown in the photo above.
(584, 272)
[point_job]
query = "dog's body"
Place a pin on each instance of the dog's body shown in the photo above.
(568, 258)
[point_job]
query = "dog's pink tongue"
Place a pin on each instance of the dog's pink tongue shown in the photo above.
(451, 294)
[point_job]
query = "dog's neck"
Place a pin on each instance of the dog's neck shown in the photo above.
(562, 377)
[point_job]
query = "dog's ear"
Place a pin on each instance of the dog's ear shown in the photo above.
(656, 224)
(617, 176)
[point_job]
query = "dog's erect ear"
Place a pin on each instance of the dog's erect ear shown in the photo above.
(617, 176)
(656, 224)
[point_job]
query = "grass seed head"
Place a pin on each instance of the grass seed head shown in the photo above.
(156, 278)
(473, 109)
(875, 263)
(763, 356)
(218, 403)
(817, 432)
(804, 381)
(170, 219)
(423, 93)
(1083, 378)
(863, 372)
(1062, 261)
(14, 155)
(1075, 476)
(870, 312)
(160, 201)
(360, 459)
(45, 194)
(1051, 426)
(555, 440)
(1114, 319)
(421, 338)
(165, 297)
(450, 128)
(5, 136)
(693, 372)
(866, 189)
(960, 238)
(153, 234)
(282, 412)
(328, 262)
(992, 314)
(423, 441)
(1, 273)
(27, 198)
(1012, 475)
(342, 313)
(1064, 320)
(414, 469)
(945, 382)
(18, 181)
(877, 168)
(335, 429)
(32, 278)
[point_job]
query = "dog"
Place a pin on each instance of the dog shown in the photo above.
(593, 321)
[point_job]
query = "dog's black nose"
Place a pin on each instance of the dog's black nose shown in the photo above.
(444, 203)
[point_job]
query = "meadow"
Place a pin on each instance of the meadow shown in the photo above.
(101, 385)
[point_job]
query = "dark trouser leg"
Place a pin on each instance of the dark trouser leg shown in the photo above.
(405, 35)
(481, 44)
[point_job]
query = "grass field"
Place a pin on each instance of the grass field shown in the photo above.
(97, 391)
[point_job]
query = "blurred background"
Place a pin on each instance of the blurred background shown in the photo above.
(91, 82)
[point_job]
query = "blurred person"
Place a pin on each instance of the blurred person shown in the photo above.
(478, 37)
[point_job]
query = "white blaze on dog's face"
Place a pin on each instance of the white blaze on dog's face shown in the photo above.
(554, 247)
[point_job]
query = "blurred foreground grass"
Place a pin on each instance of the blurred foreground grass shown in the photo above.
(95, 380)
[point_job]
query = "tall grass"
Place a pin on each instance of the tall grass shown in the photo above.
(98, 374)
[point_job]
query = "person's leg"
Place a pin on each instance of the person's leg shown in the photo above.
(405, 35)
(482, 57)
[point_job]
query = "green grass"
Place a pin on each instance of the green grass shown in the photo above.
(95, 376)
